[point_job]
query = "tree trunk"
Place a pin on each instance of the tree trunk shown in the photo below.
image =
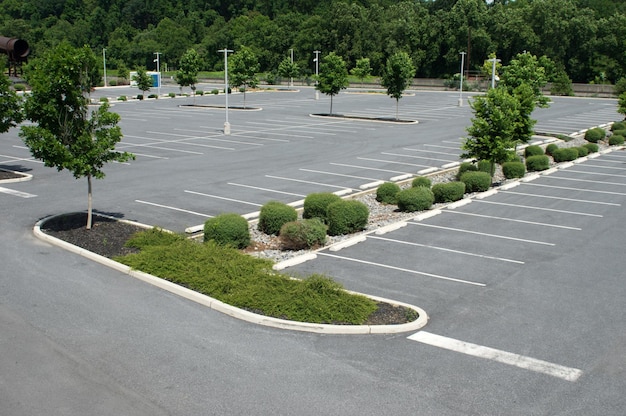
(397, 102)
(89, 202)
(331, 105)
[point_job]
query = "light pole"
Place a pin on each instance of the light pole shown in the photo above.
(104, 61)
(317, 62)
(461, 83)
(157, 60)
(291, 78)
(493, 71)
(226, 123)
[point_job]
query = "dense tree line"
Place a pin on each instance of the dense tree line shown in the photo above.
(583, 37)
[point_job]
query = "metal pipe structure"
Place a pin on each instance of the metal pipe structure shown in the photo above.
(16, 49)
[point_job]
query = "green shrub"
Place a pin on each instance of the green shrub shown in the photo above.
(533, 150)
(386, 193)
(537, 163)
(113, 83)
(476, 181)
(618, 125)
(565, 154)
(551, 148)
(104, 100)
(215, 91)
(346, 216)
(448, 191)
(484, 166)
(421, 181)
(303, 234)
(19, 87)
(582, 151)
(513, 170)
(153, 96)
(466, 167)
(199, 92)
(228, 230)
(591, 147)
(316, 205)
(274, 215)
(620, 132)
(595, 135)
(122, 98)
(616, 140)
(140, 96)
(415, 199)
(171, 95)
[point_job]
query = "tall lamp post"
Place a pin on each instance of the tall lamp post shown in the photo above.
(157, 60)
(291, 78)
(226, 51)
(493, 71)
(104, 61)
(317, 62)
(461, 83)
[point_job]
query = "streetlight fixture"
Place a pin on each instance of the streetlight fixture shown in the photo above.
(461, 83)
(104, 61)
(157, 60)
(493, 71)
(226, 51)
(291, 79)
(317, 62)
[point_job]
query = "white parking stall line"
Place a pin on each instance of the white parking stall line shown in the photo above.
(588, 165)
(300, 127)
(567, 188)
(172, 208)
(126, 145)
(386, 266)
(415, 157)
(267, 139)
(586, 180)
(585, 201)
(370, 168)
(408, 149)
(338, 174)
(460, 230)
(13, 159)
(393, 162)
(186, 137)
(540, 208)
(222, 198)
(504, 357)
(448, 250)
(442, 147)
(16, 193)
(265, 189)
(595, 173)
(308, 182)
(150, 156)
(491, 217)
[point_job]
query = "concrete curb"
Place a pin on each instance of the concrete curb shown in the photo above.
(25, 177)
(236, 312)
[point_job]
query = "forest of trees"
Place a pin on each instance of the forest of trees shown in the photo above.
(586, 38)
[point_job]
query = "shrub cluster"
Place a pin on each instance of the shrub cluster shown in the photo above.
(513, 170)
(274, 215)
(537, 163)
(316, 205)
(386, 193)
(466, 167)
(415, 199)
(228, 230)
(448, 191)
(346, 216)
(421, 181)
(595, 135)
(591, 147)
(551, 148)
(620, 132)
(476, 181)
(616, 140)
(618, 125)
(303, 234)
(565, 154)
(533, 150)
(582, 151)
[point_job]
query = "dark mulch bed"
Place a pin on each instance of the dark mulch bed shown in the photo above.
(9, 175)
(108, 236)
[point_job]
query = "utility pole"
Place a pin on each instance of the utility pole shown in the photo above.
(104, 60)
(317, 62)
(158, 68)
(461, 83)
(226, 123)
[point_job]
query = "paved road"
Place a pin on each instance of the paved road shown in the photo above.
(528, 280)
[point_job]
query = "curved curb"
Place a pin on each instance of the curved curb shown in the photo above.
(25, 177)
(365, 119)
(236, 312)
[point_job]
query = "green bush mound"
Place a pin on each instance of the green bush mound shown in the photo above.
(533, 150)
(303, 234)
(513, 170)
(316, 204)
(582, 151)
(476, 181)
(421, 181)
(274, 215)
(621, 132)
(466, 167)
(595, 135)
(448, 191)
(415, 199)
(537, 163)
(591, 147)
(551, 148)
(565, 154)
(386, 193)
(228, 230)
(616, 140)
(347, 216)
(248, 282)
(618, 125)
(485, 166)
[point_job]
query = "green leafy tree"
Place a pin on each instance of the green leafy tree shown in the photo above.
(362, 69)
(10, 105)
(143, 80)
(490, 135)
(397, 75)
(333, 76)
(288, 69)
(242, 70)
(64, 135)
(621, 104)
(187, 75)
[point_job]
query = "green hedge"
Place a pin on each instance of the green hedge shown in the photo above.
(551, 148)
(386, 193)
(621, 132)
(466, 167)
(415, 199)
(595, 135)
(533, 150)
(316, 204)
(476, 181)
(303, 234)
(537, 163)
(228, 230)
(421, 181)
(616, 140)
(618, 125)
(591, 147)
(448, 191)
(513, 170)
(274, 215)
(582, 151)
(347, 216)
(565, 154)
(484, 166)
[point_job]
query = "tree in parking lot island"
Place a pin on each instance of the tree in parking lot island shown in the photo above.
(187, 74)
(243, 69)
(621, 104)
(362, 69)
(10, 104)
(143, 80)
(397, 75)
(288, 69)
(64, 135)
(333, 76)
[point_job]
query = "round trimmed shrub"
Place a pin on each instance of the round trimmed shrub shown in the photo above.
(476, 181)
(551, 148)
(228, 230)
(616, 140)
(533, 150)
(415, 199)
(347, 216)
(303, 234)
(595, 135)
(591, 147)
(618, 125)
(421, 181)
(386, 193)
(448, 191)
(316, 204)
(513, 170)
(582, 151)
(565, 154)
(466, 167)
(274, 215)
(621, 132)
(537, 163)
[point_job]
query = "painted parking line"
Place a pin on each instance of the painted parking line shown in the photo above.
(172, 208)
(586, 180)
(265, 189)
(186, 138)
(492, 217)
(370, 168)
(561, 198)
(16, 193)
(223, 198)
(401, 269)
(394, 162)
(338, 174)
(504, 357)
(595, 173)
(561, 211)
(415, 157)
(408, 149)
(460, 230)
(307, 182)
(567, 188)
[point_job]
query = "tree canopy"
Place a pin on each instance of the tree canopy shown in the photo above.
(333, 76)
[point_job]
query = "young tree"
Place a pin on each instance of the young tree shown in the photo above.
(65, 135)
(243, 69)
(362, 69)
(288, 69)
(490, 135)
(187, 75)
(143, 80)
(333, 76)
(397, 75)
(10, 105)
(621, 104)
